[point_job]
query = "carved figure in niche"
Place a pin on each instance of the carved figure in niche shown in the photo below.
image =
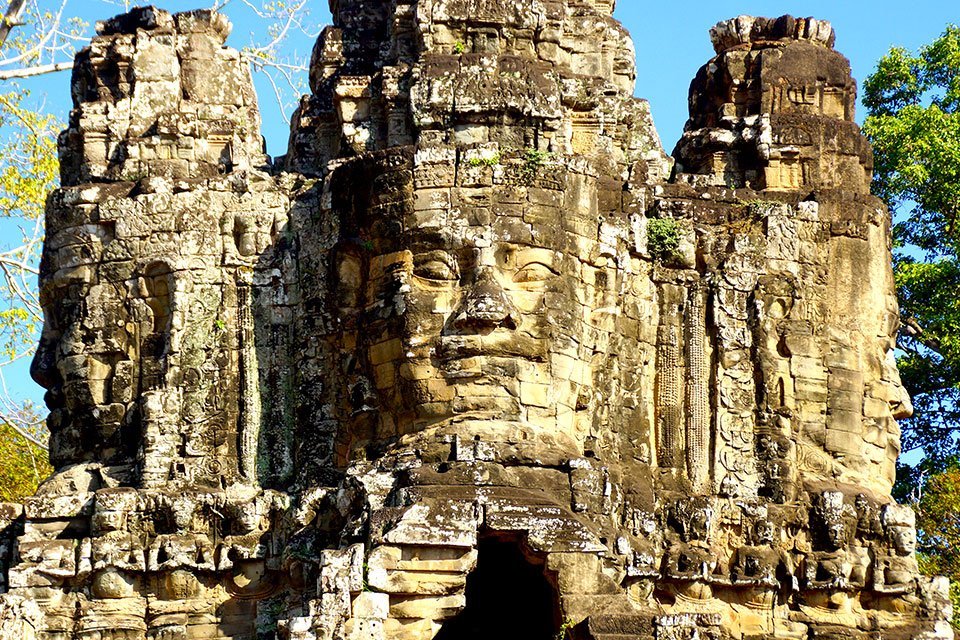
(869, 526)
(761, 566)
(773, 452)
(690, 564)
(116, 609)
(895, 570)
(112, 584)
(837, 569)
(646, 552)
(497, 326)
(120, 550)
(759, 571)
(182, 600)
(176, 551)
(643, 572)
(154, 291)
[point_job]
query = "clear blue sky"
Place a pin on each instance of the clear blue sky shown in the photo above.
(671, 42)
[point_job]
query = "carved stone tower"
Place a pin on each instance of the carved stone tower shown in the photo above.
(476, 358)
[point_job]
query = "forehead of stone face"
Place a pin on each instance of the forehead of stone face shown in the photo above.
(803, 62)
(370, 197)
(380, 202)
(464, 231)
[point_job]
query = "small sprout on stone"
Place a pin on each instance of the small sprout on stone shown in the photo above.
(535, 156)
(220, 324)
(485, 161)
(663, 238)
(564, 632)
(459, 48)
(533, 159)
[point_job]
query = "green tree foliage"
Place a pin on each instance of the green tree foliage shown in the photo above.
(25, 464)
(914, 124)
(938, 519)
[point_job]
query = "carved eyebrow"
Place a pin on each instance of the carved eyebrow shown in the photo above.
(426, 239)
(549, 267)
(438, 255)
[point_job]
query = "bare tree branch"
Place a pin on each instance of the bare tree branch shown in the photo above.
(11, 18)
(29, 72)
(912, 329)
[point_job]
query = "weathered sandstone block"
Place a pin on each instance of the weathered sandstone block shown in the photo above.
(476, 358)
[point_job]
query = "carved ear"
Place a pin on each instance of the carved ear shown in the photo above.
(348, 266)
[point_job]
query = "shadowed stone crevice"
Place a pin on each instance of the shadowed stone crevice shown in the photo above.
(506, 597)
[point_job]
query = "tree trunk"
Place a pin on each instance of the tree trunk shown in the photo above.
(11, 19)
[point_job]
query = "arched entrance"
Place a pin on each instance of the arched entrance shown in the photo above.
(508, 598)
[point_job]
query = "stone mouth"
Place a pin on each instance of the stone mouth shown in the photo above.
(499, 343)
(55, 399)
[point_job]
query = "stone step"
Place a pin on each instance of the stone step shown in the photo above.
(615, 626)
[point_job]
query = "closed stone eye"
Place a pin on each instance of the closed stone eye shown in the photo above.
(436, 266)
(534, 272)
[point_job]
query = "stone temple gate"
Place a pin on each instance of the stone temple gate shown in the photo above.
(476, 358)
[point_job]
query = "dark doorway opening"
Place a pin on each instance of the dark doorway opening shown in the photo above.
(508, 598)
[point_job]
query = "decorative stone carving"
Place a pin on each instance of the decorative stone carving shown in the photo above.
(473, 346)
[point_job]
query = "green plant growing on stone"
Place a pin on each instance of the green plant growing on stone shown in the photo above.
(364, 582)
(563, 633)
(134, 176)
(533, 161)
(663, 238)
(268, 613)
(485, 161)
(459, 48)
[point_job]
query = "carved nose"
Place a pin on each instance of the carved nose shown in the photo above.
(43, 367)
(902, 407)
(486, 306)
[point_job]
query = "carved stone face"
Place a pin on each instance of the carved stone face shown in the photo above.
(904, 539)
(84, 343)
(867, 396)
(500, 321)
(898, 399)
(836, 534)
(763, 534)
(900, 522)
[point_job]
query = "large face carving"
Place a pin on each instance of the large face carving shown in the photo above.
(84, 345)
(865, 390)
(120, 330)
(493, 309)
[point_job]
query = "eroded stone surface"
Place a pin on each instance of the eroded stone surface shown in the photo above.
(474, 313)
